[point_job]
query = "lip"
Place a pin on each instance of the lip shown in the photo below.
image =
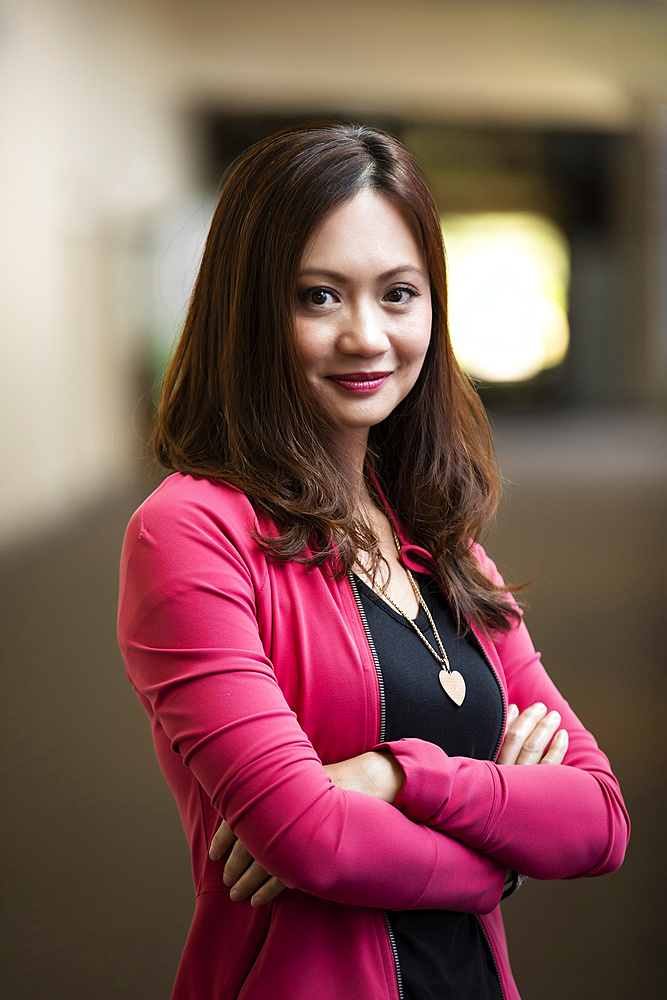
(360, 382)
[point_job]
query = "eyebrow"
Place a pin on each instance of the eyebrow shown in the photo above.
(343, 279)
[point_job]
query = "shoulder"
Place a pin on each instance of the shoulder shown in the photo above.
(190, 514)
(192, 541)
(189, 499)
(487, 564)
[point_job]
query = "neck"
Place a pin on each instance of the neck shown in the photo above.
(352, 451)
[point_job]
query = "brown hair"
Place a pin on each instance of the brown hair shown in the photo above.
(237, 405)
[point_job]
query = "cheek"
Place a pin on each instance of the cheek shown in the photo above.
(422, 338)
(425, 341)
(308, 345)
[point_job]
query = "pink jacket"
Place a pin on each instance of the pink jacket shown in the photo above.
(254, 673)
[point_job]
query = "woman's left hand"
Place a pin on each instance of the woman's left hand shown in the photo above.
(245, 876)
(533, 737)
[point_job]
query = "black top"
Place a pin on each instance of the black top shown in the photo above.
(442, 954)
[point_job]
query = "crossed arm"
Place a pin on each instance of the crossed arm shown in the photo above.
(532, 737)
(189, 633)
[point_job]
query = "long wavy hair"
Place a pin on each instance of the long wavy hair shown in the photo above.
(236, 403)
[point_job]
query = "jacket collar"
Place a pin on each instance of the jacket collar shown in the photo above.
(414, 556)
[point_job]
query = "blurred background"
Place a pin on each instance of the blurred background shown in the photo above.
(542, 127)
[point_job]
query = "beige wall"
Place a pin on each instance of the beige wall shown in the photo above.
(87, 151)
(92, 109)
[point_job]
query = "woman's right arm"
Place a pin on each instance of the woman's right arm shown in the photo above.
(189, 635)
(531, 738)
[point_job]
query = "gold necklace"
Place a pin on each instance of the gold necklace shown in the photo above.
(451, 681)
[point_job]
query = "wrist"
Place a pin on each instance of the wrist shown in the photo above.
(385, 776)
(376, 773)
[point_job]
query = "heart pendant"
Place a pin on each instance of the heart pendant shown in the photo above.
(454, 685)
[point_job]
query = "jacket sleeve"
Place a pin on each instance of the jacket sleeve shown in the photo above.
(189, 635)
(556, 821)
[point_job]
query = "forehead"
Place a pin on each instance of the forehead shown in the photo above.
(369, 226)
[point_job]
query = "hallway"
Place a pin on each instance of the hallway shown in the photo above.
(98, 897)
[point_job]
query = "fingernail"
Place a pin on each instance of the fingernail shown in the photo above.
(227, 879)
(213, 854)
(539, 707)
(561, 735)
(554, 715)
(234, 895)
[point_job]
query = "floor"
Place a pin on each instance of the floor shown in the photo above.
(97, 885)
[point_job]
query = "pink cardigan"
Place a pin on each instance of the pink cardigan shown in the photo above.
(254, 673)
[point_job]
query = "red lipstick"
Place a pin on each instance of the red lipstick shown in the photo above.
(360, 382)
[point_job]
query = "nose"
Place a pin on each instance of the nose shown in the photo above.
(364, 332)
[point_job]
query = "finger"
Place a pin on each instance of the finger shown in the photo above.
(223, 838)
(505, 749)
(556, 752)
(237, 863)
(519, 731)
(537, 742)
(249, 882)
(267, 892)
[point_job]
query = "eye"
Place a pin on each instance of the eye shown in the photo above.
(401, 294)
(316, 297)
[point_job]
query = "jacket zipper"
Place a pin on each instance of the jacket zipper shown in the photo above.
(369, 637)
(486, 659)
(495, 754)
(493, 957)
(382, 736)
(378, 671)
(394, 951)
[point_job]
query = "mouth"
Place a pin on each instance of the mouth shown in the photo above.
(360, 382)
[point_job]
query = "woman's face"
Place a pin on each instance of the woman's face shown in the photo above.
(363, 312)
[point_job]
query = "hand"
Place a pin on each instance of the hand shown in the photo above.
(375, 773)
(533, 737)
(242, 873)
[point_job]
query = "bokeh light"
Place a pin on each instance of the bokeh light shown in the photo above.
(508, 287)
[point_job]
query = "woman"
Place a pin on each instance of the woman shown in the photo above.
(308, 620)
